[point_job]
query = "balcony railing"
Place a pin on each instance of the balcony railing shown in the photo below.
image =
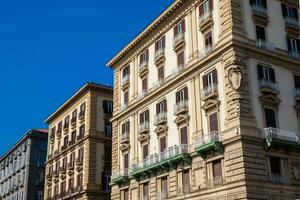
(209, 142)
(143, 66)
(155, 160)
(119, 176)
(210, 90)
(292, 22)
(159, 53)
(124, 106)
(125, 80)
(142, 94)
(178, 39)
(279, 134)
(204, 17)
(144, 126)
(181, 106)
(205, 52)
(294, 55)
(259, 10)
(160, 118)
(124, 137)
(177, 70)
(277, 178)
(263, 44)
(269, 86)
(157, 84)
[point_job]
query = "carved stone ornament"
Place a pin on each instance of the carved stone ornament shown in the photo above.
(235, 77)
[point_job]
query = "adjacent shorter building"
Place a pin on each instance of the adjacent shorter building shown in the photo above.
(22, 167)
(79, 149)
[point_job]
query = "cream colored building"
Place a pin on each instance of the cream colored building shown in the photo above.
(207, 103)
(79, 148)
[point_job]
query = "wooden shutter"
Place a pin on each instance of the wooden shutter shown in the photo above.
(147, 116)
(270, 118)
(163, 144)
(183, 135)
(145, 151)
(205, 81)
(215, 76)
(284, 10)
(165, 105)
(177, 97)
(144, 84)
(164, 42)
(260, 72)
(157, 109)
(175, 30)
(164, 184)
(161, 74)
(211, 4)
(183, 25)
(272, 75)
(156, 46)
(213, 122)
(217, 168)
(201, 10)
(185, 181)
(126, 164)
(297, 81)
(186, 93)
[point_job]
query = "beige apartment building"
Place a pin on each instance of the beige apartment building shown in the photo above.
(79, 148)
(207, 103)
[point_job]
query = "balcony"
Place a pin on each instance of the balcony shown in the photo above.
(205, 52)
(267, 86)
(66, 127)
(124, 106)
(58, 133)
(56, 152)
(210, 92)
(79, 161)
(178, 41)
(278, 138)
(142, 94)
(125, 137)
(52, 137)
(292, 23)
(205, 21)
(157, 84)
(277, 178)
(165, 160)
(159, 56)
(125, 81)
(73, 122)
(80, 136)
(177, 70)
(294, 55)
(216, 181)
(144, 127)
(211, 142)
(260, 14)
(160, 118)
(64, 147)
(263, 44)
(119, 177)
(181, 107)
(71, 166)
(143, 68)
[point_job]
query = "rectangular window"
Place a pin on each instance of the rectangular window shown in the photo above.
(297, 82)
(259, 3)
(79, 180)
(71, 183)
(108, 106)
(126, 161)
(179, 28)
(289, 12)
(161, 107)
(266, 73)
(210, 79)
(213, 122)
(105, 182)
(145, 84)
(164, 187)
(146, 191)
(126, 127)
(82, 131)
(182, 95)
(80, 154)
(145, 151)
(208, 40)
(82, 108)
(183, 135)
(161, 73)
(67, 120)
(160, 44)
(107, 153)
(293, 44)
(144, 117)
(206, 7)
(180, 59)
(217, 169)
(59, 127)
(186, 181)
(126, 71)
(275, 166)
(108, 130)
(260, 33)
(163, 144)
(144, 57)
(74, 115)
(270, 116)
(126, 97)
(126, 195)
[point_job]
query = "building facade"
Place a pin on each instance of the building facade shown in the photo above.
(79, 150)
(206, 103)
(22, 167)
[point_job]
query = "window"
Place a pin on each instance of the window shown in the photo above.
(164, 187)
(82, 130)
(53, 130)
(145, 84)
(206, 7)
(66, 140)
(208, 40)
(259, 3)
(105, 182)
(180, 59)
(160, 44)
(213, 122)
(146, 190)
(67, 119)
(49, 193)
(217, 171)
(182, 95)
(74, 116)
(144, 57)
(108, 129)
(72, 159)
(183, 135)
(63, 187)
(161, 107)
(80, 154)
(293, 44)
(108, 106)
(163, 144)
(260, 33)
(266, 73)
(179, 28)
(145, 151)
(59, 127)
(73, 137)
(64, 165)
(126, 97)
(82, 109)
(275, 166)
(126, 127)
(161, 73)
(125, 195)
(297, 82)
(185, 181)
(270, 117)
(126, 71)
(144, 117)
(79, 180)
(55, 190)
(126, 161)
(107, 153)
(210, 80)
(71, 183)
(289, 12)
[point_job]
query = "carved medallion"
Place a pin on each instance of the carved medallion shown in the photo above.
(235, 77)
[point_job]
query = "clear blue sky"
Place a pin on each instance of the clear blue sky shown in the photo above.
(49, 49)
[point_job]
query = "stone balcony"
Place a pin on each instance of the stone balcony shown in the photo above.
(263, 44)
(260, 14)
(159, 56)
(125, 81)
(205, 21)
(144, 127)
(160, 118)
(279, 138)
(209, 92)
(143, 68)
(294, 55)
(165, 160)
(178, 41)
(124, 137)
(207, 143)
(267, 86)
(120, 176)
(181, 107)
